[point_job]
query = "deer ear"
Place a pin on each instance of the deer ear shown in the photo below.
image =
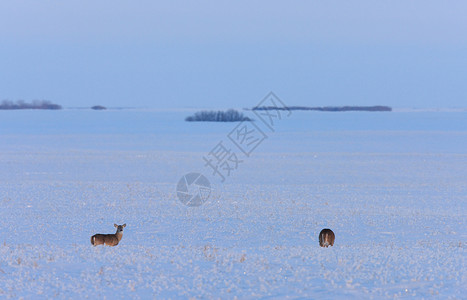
(115, 225)
(124, 225)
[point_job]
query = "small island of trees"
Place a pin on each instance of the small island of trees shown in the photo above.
(327, 108)
(230, 115)
(20, 104)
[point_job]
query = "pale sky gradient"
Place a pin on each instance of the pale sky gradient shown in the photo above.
(221, 54)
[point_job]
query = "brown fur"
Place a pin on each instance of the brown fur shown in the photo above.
(326, 238)
(108, 239)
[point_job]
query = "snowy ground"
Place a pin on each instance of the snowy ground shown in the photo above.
(400, 217)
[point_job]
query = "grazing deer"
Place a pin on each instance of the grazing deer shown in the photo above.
(326, 238)
(108, 239)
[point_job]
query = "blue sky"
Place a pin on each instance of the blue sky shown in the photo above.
(221, 54)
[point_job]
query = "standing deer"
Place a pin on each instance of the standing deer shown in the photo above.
(326, 238)
(108, 239)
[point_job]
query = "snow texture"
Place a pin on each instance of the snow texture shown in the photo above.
(394, 196)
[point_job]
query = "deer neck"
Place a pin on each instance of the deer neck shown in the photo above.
(119, 235)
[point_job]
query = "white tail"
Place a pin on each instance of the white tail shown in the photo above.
(326, 238)
(108, 239)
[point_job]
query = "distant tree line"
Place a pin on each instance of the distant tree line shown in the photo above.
(230, 115)
(327, 108)
(20, 104)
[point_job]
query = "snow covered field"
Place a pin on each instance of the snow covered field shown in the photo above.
(392, 187)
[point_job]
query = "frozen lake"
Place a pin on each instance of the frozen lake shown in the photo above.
(392, 186)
